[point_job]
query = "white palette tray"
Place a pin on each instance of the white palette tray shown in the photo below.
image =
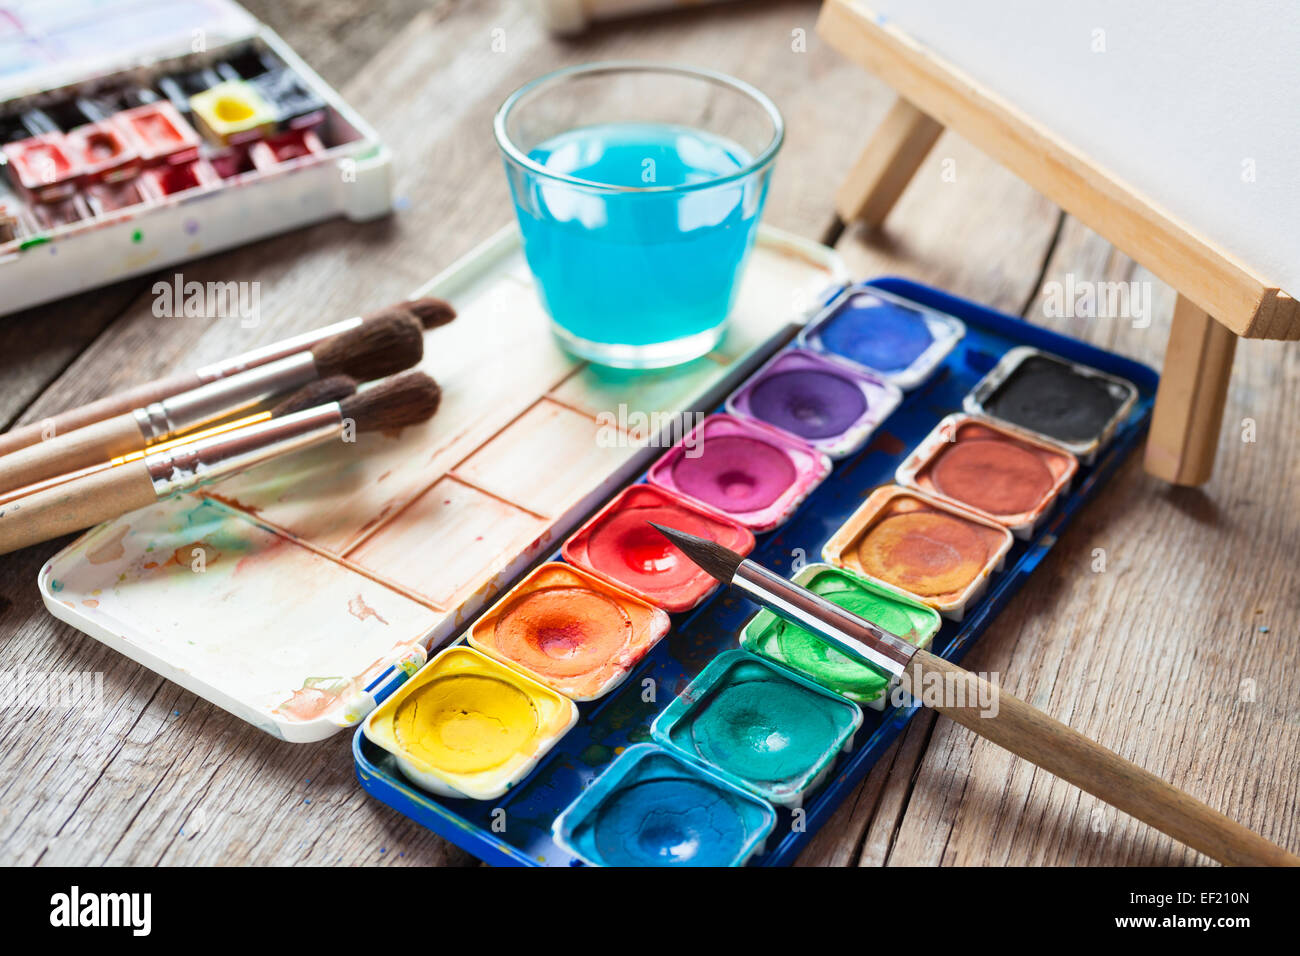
(285, 593)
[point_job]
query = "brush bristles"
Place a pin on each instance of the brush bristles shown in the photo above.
(395, 403)
(720, 562)
(430, 311)
(378, 347)
(320, 392)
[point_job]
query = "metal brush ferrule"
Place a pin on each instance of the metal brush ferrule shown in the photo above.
(855, 635)
(209, 459)
(273, 352)
(170, 417)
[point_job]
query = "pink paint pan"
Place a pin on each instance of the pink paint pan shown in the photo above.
(754, 474)
(44, 166)
(619, 546)
(104, 151)
(992, 469)
(159, 134)
(232, 162)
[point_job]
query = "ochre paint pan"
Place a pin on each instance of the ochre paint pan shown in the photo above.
(936, 552)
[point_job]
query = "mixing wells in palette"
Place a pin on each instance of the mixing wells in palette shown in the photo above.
(829, 405)
(752, 473)
(1077, 406)
(899, 340)
(468, 726)
(652, 808)
(939, 554)
(570, 631)
(778, 640)
(619, 545)
(759, 726)
(1005, 474)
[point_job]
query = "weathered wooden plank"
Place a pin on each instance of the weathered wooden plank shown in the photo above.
(1174, 653)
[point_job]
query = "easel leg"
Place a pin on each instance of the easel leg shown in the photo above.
(882, 172)
(1189, 402)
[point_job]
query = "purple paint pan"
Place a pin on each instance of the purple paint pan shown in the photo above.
(745, 469)
(828, 404)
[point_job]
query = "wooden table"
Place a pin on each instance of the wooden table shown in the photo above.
(1193, 589)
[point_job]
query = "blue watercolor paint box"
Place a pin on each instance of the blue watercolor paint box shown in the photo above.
(652, 808)
(617, 724)
(759, 725)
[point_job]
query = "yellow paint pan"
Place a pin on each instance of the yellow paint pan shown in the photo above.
(467, 726)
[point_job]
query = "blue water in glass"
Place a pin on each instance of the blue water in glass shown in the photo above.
(640, 268)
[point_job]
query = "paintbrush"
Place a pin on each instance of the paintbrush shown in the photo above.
(374, 349)
(331, 389)
(1013, 724)
(430, 312)
(406, 399)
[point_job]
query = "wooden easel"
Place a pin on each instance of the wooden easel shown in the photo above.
(1219, 297)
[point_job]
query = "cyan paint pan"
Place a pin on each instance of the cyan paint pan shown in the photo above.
(652, 808)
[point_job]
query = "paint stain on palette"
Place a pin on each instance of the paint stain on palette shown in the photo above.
(193, 571)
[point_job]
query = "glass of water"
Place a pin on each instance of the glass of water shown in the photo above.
(638, 188)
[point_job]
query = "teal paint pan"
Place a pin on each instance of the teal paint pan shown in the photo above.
(760, 726)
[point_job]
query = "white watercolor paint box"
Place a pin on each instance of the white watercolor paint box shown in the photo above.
(87, 50)
(286, 594)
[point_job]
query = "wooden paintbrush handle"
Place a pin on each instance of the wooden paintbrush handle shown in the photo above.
(1031, 734)
(92, 445)
(109, 406)
(75, 505)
